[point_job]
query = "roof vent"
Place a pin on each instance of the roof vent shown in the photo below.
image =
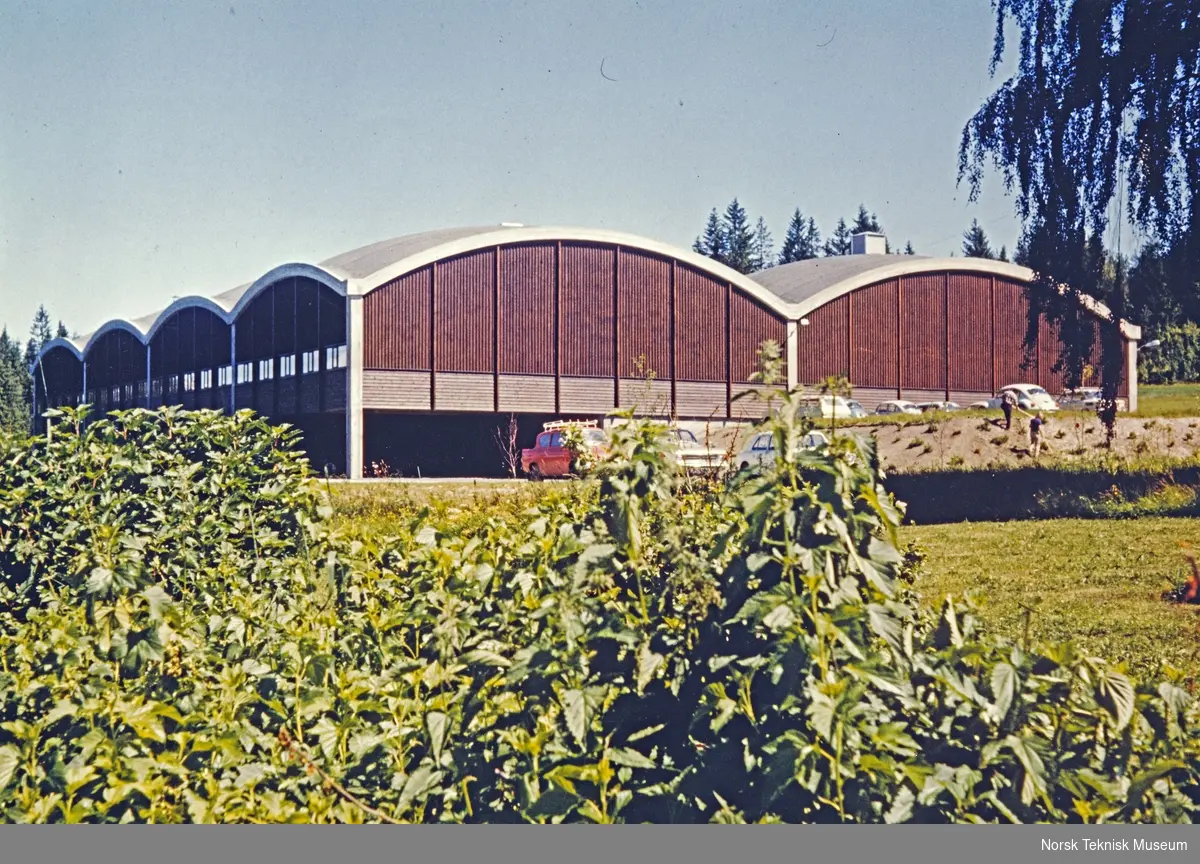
(511, 225)
(868, 243)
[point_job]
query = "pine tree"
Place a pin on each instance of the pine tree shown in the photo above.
(908, 250)
(14, 405)
(802, 241)
(839, 242)
(713, 242)
(61, 333)
(764, 246)
(865, 221)
(1003, 256)
(739, 239)
(1021, 253)
(975, 243)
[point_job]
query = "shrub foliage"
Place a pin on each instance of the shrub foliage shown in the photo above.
(185, 636)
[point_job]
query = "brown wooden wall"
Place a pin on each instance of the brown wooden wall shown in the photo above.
(588, 319)
(955, 333)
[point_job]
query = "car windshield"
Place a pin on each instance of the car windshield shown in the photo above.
(685, 436)
(1036, 391)
(593, 436)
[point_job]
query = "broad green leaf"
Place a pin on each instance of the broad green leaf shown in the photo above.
(1115, 694)
(576, 714)
(10, 758)
(435, 722)
(1004, 682)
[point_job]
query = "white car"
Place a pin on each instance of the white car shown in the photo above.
(761, 449)
(1033, 395)
(826, 407)
(897, 406)
(939, 406)
(856, 409)
(1085, 399)
(690, 454)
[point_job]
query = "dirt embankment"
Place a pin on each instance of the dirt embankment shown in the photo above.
(983, 442)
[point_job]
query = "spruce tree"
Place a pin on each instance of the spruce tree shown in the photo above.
(1003, 256)
(839, 242)
(14, 405)
(739, 238)
(865, 221)
(975, 243)
(908, 250)
(802, 241)
(712, 243)
(62, 332)
(764, 246)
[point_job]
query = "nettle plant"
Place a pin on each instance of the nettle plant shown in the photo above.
(208, 647)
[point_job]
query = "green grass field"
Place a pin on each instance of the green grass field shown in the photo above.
(1169, 400)
(1096, 581)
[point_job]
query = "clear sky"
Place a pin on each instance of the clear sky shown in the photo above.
(151, 150)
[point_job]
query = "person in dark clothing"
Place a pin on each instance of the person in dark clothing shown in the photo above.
(1035, 434)
(1007, 403)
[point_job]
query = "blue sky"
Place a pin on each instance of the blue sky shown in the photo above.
(151, 150)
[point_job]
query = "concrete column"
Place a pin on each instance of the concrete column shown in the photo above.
(354, 386)
(148, 387)
(84, 396)
(1131, 372)
(792, 354)
(233, 367)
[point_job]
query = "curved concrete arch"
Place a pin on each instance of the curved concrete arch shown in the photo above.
(908, 266)
(110, 327)
(511, 236)
(278, 274)
(53, 344)
(189, 302)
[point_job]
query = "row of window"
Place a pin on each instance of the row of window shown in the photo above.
(310, 362)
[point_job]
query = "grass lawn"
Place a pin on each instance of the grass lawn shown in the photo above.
(1095, 581)
(1169, 400)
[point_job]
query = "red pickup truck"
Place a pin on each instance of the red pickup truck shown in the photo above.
(550, 457)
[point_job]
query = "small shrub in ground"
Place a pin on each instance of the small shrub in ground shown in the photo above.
(749, 653)
(927, 448)
(956, 461)
(914, 443)
(977, 451)
(998, 440)
(955, 432)
(1132, 435)
(1061, 433)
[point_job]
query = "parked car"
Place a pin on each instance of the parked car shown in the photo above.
(760, 451)
(1085, 399)
(897, 406)
(690, 454)
(856, 409)
(550, 457)
(826, 407)
(1030, 397)
(939, 406)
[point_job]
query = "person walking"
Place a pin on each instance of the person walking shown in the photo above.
(1035, 434)
(1007, 403)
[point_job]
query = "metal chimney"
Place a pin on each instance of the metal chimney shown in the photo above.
(868, 243)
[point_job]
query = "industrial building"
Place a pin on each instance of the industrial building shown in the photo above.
(413, 350)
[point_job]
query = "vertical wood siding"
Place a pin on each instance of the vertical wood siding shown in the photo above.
(396, 323)
(874, 328)
(970, 332)
(823, 343)
(586, 297)
(644, 315)
(1012, 310)
(527, 276)
(750, 325)
(699, 326)
(464, 324)
(923, 324)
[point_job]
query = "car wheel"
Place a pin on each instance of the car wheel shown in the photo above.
(535, 472)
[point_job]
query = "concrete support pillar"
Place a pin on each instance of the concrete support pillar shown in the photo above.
(792, 354)
(1131, 372)
(148, 387)
(84, 397)
(354, 386)
(233, 368)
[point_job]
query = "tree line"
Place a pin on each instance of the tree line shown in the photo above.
(16, 381)
(730, 238)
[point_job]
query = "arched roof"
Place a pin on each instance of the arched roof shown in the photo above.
(809, 285)
(791, 290)
(366, 268)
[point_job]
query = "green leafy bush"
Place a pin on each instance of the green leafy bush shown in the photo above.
(211, 649)
(1176, 359)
